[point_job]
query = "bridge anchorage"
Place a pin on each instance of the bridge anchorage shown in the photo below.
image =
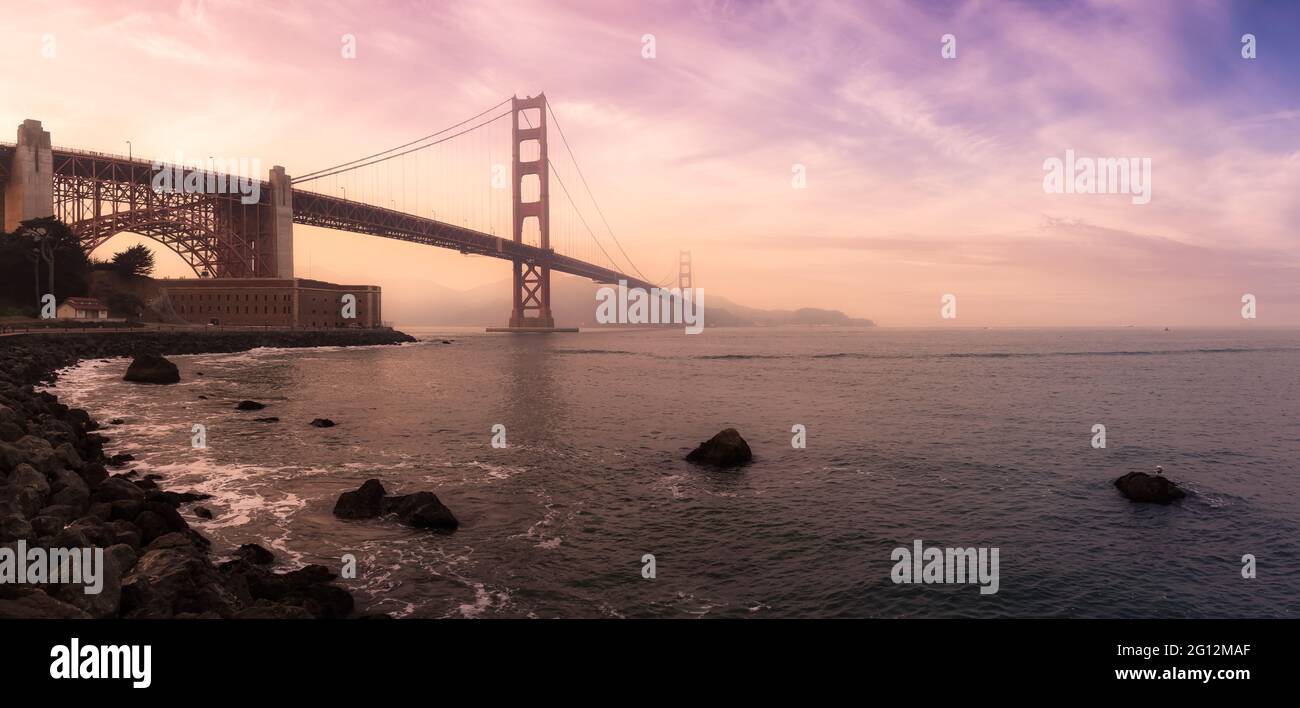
(249, 233)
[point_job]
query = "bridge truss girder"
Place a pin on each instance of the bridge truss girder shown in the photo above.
(100, 196)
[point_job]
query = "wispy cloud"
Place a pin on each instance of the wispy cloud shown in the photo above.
(923, 174)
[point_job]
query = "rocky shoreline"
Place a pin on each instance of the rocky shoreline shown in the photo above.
(56, 492)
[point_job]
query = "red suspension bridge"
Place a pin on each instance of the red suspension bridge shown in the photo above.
(482, 186)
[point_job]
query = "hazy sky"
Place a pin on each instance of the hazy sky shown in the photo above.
(924, 175)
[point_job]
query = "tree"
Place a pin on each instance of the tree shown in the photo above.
(125, 305)
(25, 272)
(136, 260)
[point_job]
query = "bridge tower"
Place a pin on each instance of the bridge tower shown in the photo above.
(532, 280)
(277, 233)
(29, 193)
(684, 270)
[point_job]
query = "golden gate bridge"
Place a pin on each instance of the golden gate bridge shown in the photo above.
(482, 186)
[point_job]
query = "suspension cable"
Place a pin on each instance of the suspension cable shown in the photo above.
(319, 173)
(594, 203)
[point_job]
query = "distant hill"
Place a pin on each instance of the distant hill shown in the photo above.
(573, 302)
(726, 313)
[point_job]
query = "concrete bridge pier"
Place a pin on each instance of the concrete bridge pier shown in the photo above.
(266, 229)
(278, 227)
(29, 194)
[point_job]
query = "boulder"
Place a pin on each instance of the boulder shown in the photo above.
(127, 533)
(92, 473)
(364, 503)
(422, 510)
(124, 509)
(115, 489)
(151, 526)
(169, 515)
(202, 512)
(43, 525)
(726, 449)
(265, 609)
(178, 541)
(152, 369)
(307, 588)
(175, 498)
(249, 406)
(255, 554)
(70, 489)
(322, 423)
(120, 459)
(26, 490)
(95, 530)
(323, 601)
(68, 455)
(118, 560)
(10, 432)
(1149, 488)
(29, 603)
(68, 537)
(33, 451)
(62, 511)
(165, 582)
(13, 527)
(24, 475)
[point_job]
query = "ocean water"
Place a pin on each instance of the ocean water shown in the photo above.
(960, 438)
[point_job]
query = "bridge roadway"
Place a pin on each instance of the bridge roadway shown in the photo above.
(315, 209)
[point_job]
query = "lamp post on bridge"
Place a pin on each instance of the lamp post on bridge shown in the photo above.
(130, 158)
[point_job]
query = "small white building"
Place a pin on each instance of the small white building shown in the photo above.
(82, 308)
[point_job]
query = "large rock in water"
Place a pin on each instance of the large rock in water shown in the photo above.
(423, 510)
(1143, 487)
(365, 503)
(255, 554)
(152, 369)
(726, 449)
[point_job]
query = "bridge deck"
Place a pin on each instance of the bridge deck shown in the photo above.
(315, 209)
(325, 211)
